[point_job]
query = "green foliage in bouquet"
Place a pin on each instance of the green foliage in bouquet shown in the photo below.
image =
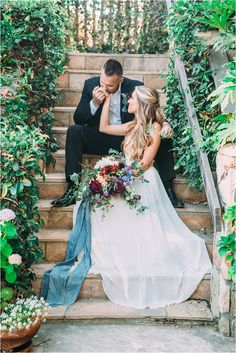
(227, 244)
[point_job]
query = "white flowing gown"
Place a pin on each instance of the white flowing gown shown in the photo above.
(150, 259)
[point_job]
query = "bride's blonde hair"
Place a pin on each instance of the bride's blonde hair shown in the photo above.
(149, 113)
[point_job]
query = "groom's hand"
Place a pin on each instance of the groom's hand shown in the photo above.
(98, 96)
(166, 130)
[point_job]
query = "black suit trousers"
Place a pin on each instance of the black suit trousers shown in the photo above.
(85, 139)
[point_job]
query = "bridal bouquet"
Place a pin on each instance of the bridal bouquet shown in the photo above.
(111, 177)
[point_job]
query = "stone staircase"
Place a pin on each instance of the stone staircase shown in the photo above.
(92, 302)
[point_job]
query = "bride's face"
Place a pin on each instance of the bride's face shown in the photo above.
(133, 104)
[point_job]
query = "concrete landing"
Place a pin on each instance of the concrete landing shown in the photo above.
(158, 338)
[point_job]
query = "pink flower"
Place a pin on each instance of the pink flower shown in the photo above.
(14, 259)
(7, 215)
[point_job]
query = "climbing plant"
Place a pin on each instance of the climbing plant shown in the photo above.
(117, 26)
(33, 53)
(33, 50)
(194, 53)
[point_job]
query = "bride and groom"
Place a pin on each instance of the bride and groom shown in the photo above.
(146, 260)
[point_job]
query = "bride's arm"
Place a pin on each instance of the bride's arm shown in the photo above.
(106, 128)
(151, 151)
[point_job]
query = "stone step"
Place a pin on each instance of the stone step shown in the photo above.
(73, 78)
(55, 186)
(71, 97)
(194, 216)
(54, 242)
(134, 62)
(92, 286)
(64, 116)
(100, 310)
(60, 161)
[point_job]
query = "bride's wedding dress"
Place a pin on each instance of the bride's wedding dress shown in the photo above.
(150, 259)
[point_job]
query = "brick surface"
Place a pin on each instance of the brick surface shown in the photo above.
(224, 296)
(63, 119)
(145, 63)
(56, 251)
(63, 80)
(154, 81)
(96, 62)
(76, 62)
(233, 303)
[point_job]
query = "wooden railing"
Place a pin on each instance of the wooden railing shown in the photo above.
(209, 185)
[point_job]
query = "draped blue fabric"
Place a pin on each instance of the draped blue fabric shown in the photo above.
(61, 284)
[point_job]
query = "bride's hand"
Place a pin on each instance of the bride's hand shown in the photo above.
(107, 96)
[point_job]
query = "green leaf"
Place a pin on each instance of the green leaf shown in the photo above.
(3, 243)
(7, 250)
(3, 261)
(4, 190)
(10, 230)
(15, 166)
(223, 250)
(6, 293)
(9, 268)
(11, 277)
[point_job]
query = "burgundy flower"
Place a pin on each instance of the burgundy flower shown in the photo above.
(120, 187)
(95, 186)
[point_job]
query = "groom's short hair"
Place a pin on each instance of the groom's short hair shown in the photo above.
(113, 67)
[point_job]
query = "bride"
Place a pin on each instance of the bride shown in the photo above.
(150, 259)
(146, 260)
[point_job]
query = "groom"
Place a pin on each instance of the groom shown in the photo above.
(84, 136)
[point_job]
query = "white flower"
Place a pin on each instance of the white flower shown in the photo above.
(15, 259)
(7, 215)
(101, 180)
(105, 161)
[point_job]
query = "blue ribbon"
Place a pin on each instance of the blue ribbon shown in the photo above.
(61, 284)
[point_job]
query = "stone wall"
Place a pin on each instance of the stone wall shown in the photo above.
(223, 290)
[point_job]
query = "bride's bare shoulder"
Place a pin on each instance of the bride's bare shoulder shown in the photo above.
(156, 128)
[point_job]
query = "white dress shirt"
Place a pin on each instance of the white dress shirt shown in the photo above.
(114, 111)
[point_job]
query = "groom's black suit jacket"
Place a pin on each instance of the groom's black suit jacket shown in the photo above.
(83, 116)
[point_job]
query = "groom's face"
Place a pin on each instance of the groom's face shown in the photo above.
(110, 83)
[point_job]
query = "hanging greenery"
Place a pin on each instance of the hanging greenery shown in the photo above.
(194, 53)
(117, 26)
(33, 55)
(33, 48)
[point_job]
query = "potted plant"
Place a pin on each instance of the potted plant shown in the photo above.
(20, 321)
(20, 318)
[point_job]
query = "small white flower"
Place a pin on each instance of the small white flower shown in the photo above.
(105, 161)
(15, 259)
